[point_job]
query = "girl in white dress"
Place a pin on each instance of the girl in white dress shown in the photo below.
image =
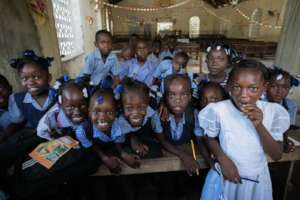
(240, 132)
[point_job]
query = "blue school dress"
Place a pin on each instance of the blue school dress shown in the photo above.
(240, 141)
(23, 107)
(132, 69)
(183, 131)
(146, 133)
(97, 69)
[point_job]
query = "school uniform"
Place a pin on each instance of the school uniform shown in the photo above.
(23, 108)
(173, 186)
(183, 131)
(88, 138)
(168, 54)
(155, 59)
(4, 119)
(292, 108)
(97, 69)
(134, 70)
(164, 69)
(239, 140)
(76, 163)
(146, 133)
(55, 124)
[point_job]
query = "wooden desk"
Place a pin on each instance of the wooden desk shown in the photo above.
(170, 163)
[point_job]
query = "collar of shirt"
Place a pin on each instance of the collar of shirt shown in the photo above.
(99, 56)
(126, 126)
(176, 128)
(115, 133)
(63, 121)
(29, 99)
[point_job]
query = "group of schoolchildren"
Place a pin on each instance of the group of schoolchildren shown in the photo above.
(143, 106)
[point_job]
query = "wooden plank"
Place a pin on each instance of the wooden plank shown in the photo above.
(170, 163)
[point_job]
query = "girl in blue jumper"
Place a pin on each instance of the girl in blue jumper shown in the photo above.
(139, 122)
(280, 84)
(64, 119)
(27, 107)
(104, 134)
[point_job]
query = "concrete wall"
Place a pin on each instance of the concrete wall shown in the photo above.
(238, 27)
(21, 29)
(18, 33)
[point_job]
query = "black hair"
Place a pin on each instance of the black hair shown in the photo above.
(5, 82)
(211, 85)
(172, 37)
(157, 41)
(129, 84)
(275, 72)
(232, 54)
(64, 83)
(29, 57)
(104, 32)
(249, 64)
(172, 77)
(142, 40)
(183, 55)
(104, 92)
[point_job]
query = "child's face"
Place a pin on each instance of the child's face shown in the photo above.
(156, 48)
(74, 105)
(127, 54)
(104, 44)
(172, 43)
(217, 62)
(179, 63)
(4, 95)
(178, 96)
(211, 95)
(102, 113)
(277, 90)
(142, 50)
(135, 108)
(35, 79)
(246, 87)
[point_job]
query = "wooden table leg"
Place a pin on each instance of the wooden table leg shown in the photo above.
(288, 180)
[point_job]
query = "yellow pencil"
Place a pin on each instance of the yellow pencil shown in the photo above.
(194, 155)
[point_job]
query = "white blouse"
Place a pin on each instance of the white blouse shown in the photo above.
(237, 135)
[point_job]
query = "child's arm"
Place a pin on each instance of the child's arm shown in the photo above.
(201, 141)
(188, 161)
(111, 162)
(229, 170)
(137, 146)
(272, 147)
(131, 160)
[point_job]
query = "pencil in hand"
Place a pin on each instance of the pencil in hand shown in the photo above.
(194, 154)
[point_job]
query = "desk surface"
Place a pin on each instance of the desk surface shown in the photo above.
(171, 163)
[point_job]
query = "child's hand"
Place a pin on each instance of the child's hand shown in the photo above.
(190, 164)
(253, 113)
(131, 160)
(163, 112)
(138, 147)
(288, 146)
(229, 169)
(113, 164)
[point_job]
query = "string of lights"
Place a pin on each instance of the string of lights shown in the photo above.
(138, 9)
(256, 22)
